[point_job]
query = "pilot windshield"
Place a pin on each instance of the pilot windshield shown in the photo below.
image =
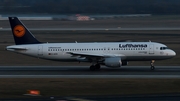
(163, 48)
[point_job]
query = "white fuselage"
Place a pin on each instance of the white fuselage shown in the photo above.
(127, 51)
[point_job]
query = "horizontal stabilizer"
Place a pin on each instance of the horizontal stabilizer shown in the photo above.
(16, 48)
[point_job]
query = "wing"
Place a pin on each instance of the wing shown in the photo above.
(93, 56)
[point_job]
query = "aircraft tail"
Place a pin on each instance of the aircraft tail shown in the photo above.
(21, 34)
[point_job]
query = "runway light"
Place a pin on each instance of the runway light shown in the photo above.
(33, 93)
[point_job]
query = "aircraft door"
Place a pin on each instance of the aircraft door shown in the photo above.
(40, 51)
(151, 49)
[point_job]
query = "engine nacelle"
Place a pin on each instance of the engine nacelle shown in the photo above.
(113, 62)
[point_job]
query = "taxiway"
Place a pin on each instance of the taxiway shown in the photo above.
(84, 72)
(100, 29)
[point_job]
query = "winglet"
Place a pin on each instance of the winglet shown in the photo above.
(21, 34)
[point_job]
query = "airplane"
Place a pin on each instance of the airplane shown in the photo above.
(110, 54)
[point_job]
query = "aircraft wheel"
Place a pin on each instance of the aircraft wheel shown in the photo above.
(92, 68)
(152, 67)
(98, 66)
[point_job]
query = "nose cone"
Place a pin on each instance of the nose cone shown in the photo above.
(172, 53)
(169, 54)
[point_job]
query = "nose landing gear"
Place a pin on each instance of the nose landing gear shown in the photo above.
(152, 64)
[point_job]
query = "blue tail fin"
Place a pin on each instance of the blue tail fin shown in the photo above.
(21, 34)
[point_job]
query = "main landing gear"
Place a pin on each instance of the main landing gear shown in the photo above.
(152, 64)
(95, 67)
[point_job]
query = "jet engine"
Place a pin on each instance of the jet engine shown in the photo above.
(113, 62)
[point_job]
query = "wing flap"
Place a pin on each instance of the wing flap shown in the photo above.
(85, 54)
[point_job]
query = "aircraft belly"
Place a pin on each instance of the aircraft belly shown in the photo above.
(146, 58)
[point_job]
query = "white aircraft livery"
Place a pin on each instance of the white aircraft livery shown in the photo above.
(110, 54)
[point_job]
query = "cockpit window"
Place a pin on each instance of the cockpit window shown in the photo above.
(163, 48)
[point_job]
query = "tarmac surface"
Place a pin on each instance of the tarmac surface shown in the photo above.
(162, 72)
(101, 29)
(84, 72)
(164, 97)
